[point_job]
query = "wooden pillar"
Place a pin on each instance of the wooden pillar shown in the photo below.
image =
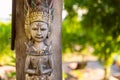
(20, 39)
(56, 39)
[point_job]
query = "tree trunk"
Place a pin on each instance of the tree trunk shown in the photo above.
(20, 39)
(106, 73)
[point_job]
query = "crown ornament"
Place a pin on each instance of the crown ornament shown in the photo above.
(38, 13)
(35, 16)
(39, 16)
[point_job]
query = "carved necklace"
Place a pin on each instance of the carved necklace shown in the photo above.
(37, 52)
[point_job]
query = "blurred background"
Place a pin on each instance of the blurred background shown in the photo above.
(90, 40)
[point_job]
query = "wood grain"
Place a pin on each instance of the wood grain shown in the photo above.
(19, 40)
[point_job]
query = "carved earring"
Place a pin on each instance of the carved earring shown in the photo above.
(48, 35)
(30, 37)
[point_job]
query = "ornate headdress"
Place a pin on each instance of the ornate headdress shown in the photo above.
(38, 10)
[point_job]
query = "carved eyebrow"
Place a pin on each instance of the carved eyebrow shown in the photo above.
(38, 24)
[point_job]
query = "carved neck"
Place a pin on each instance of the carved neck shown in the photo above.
(39, 45)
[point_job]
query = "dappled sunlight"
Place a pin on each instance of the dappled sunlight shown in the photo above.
(92, 28)
(7, 57)
(5, 10)
(90, 41)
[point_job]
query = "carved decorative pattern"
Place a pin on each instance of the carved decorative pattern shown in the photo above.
(38, 19)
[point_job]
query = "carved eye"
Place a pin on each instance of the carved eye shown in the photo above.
(43, 29)
(35, 29)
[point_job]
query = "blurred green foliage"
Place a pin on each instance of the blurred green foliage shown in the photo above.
(72, 34)
(6, 55)
(93, 22)
(11, 75)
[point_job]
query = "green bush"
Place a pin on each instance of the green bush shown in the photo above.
(6, 55)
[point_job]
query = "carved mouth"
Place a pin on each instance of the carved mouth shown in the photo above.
(39, 37)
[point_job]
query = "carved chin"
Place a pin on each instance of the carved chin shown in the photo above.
(39, 39)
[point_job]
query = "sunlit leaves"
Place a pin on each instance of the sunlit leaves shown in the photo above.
(5, 34)
(99, 26)
(72, 33)
(6, 55)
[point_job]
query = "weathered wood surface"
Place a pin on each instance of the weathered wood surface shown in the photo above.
(21, 38)
(56, 40)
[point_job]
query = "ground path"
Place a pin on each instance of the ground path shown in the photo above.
(92, 71)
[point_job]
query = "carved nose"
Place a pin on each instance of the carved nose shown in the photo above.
(39, 32)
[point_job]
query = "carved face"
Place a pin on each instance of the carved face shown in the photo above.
(39, 31)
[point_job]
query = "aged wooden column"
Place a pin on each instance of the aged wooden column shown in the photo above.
(56, 38)
(20, 39)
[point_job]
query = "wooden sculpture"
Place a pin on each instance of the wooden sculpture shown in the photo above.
(38, 19)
